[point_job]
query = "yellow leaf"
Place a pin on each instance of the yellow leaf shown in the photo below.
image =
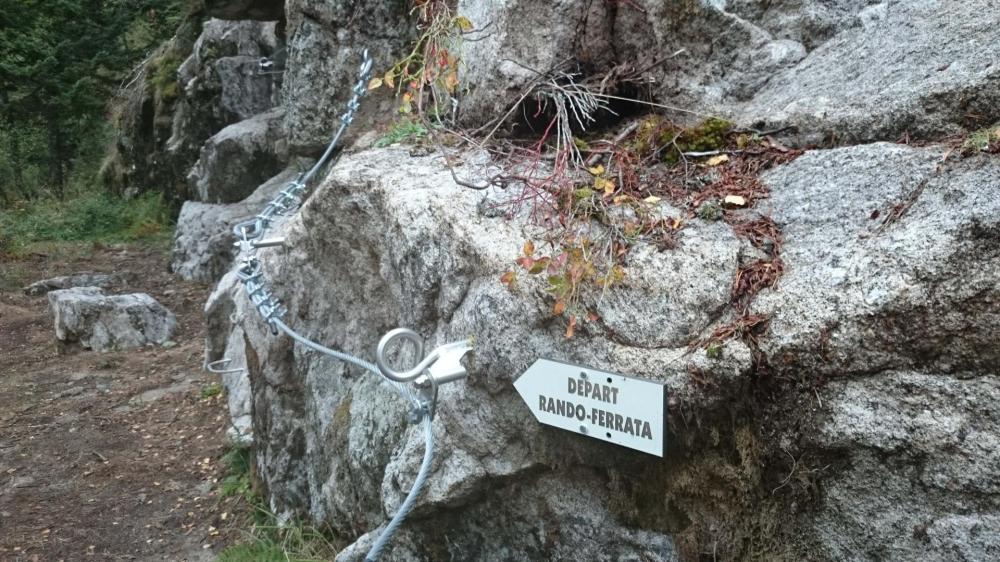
(596, 170)
(529, 248)
(463, 23)
(652, 200)
(605, 185)
(390, 79)
(375, 83)
(619, 199)
(407, 97)
(716, 160)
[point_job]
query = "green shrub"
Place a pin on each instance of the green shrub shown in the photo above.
(85, 217)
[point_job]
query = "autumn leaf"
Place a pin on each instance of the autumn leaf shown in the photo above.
(652, 200)
(559, 308)
(605, 185)
(508, 278)
(571, 328)
(463, 23)
(539, 266)
(390, 79)
(529, 248)
(596, 170)
(374, 83)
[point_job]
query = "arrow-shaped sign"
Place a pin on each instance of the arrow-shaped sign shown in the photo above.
(627, 411)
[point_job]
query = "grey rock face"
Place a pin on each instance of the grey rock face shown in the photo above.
(222, 306)
(920, 480)
(203, 240)
(525, 37)
(325, 42)
(220, 82)
(161, 129)
(897, 295)
(410, 249)
(83, 279)
(855, 70)
(892, 72)
(902, 316)
(238, 159)
(86, 317)
(894, 456)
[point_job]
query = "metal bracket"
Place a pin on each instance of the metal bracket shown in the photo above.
(442, 365)
(219, 367)
(266, 66)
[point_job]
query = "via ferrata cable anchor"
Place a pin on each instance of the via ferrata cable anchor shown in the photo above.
(442, 365)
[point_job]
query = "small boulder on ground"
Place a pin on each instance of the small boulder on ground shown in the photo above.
(82, 279)
(86, 317)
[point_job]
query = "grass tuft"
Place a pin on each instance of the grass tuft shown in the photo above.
(84, 217)
(267, 540)
(403, 130)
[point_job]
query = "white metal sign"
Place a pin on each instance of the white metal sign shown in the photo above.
(615, 408)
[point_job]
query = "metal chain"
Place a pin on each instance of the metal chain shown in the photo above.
(442, 365)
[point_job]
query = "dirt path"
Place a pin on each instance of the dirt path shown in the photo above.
(107, 456)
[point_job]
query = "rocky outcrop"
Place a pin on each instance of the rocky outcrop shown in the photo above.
(86, 317)
(868, 399)
(856, 422)
(325, 44)
(221, 84)
(204, 79)
(83, 279)
(239, 158)
(203, 239)
(225, 344)
(846, 71)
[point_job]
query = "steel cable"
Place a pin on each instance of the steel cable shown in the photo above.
(251, 274)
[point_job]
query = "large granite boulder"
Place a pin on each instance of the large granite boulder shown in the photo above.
(220, 83)
(237, 159)
(325, 44)
(203, 239)
(868, 399)
(86, 317)
(847, 70)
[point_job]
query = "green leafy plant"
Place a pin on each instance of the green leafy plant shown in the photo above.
(211, 390)
(403, 130)
(428, 74)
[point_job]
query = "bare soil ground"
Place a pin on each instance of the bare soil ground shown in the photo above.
(107, 456)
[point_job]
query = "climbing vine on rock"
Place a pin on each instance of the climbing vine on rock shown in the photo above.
(426, 79)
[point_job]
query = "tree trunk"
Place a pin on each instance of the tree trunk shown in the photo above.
(57, 178)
